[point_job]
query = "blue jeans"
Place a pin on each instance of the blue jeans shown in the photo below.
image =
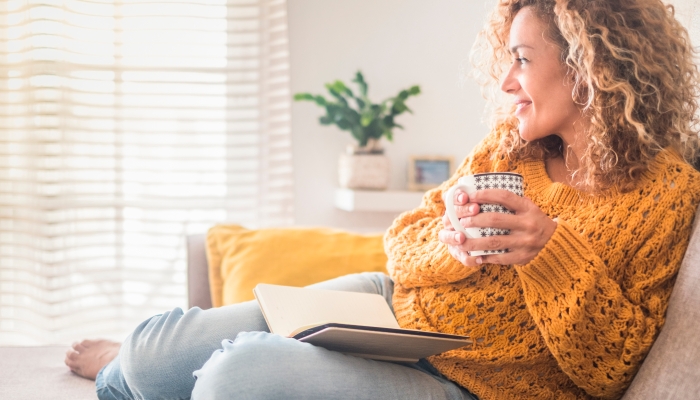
(227, 352)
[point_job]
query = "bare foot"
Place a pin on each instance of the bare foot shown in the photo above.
(89, 356)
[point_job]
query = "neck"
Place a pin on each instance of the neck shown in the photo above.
(573, 148)
(574, 142)
(571, 153)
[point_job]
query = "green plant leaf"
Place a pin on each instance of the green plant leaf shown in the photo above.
(388, 121)
(360, 80)
(366, 119)
(359, 134)
(398, 107)
(363, 118)
(303, 96)
(333, 89)
(343, 124)
(340, 88)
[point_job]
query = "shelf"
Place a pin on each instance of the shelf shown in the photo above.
(377, 200)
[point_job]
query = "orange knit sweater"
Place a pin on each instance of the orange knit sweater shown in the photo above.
(576, 321)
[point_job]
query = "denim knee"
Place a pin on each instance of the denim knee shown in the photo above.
(382, 282)
(150, 359)
(260, 366)
(256, 365)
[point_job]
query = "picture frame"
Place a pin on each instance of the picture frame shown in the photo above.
(428, 172)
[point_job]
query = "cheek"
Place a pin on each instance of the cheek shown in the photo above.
(552, 109)
(538, 122)
(526, 129)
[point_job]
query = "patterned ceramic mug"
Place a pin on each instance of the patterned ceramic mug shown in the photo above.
(509, 181)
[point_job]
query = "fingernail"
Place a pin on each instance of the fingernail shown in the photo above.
(457, 237)
(474, 209)
(479, 260)
(460, 198)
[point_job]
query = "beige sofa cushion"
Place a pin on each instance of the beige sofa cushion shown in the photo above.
(38, 373)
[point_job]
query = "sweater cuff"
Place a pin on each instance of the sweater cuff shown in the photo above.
(559, 263)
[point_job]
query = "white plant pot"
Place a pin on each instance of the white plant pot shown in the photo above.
(364, 171)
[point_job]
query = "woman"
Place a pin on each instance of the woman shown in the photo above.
(600, 128)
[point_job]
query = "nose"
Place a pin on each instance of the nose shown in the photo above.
(510, 83)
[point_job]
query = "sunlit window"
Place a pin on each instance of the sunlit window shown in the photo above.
(124, 127)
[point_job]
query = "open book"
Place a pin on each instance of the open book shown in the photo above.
(359, 324)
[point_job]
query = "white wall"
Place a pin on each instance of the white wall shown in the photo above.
(396, 43)
(688, 12)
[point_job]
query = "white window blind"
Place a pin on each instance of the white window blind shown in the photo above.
(125, 126)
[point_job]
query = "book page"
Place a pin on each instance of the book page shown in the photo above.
(287, 308)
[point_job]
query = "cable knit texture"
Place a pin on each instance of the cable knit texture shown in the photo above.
(575, 322)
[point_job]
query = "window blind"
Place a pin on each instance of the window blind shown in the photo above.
(126, 125)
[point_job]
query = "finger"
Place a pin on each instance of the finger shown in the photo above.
(457, 254)
(492, 220)
(505, 198)
(461, 197)
(501, 259)
(446, 222)
(462, 256)
(495, 242)
(469, 261)
(462, 212)
(451, 237)
(467, 210)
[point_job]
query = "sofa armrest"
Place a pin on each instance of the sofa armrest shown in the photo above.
(198, 292)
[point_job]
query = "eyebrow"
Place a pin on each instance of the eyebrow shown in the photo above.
(517, 46)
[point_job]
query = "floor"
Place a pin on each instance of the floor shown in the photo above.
(38, 373)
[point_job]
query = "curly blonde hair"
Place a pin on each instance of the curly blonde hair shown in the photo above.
(635, 78)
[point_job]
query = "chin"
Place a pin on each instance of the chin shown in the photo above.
(528, 134)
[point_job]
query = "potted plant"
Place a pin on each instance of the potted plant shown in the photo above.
(364, 166)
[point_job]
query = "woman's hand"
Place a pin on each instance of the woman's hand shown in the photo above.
(530, 228)
(453, 238)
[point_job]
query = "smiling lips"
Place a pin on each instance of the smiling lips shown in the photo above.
(520, 104)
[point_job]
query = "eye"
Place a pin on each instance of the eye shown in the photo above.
(521, 60)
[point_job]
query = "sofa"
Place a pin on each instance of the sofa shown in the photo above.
(671, 370)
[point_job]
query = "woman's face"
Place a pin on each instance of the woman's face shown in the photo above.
(538, 82)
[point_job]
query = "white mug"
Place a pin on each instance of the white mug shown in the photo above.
(509, 181)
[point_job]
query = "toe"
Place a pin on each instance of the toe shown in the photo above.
(79, 347)
(70, 359)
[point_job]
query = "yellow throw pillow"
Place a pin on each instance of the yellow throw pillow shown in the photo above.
(240, 258)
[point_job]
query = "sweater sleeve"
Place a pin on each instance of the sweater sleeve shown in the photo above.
(416, 256)
(597, 328)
